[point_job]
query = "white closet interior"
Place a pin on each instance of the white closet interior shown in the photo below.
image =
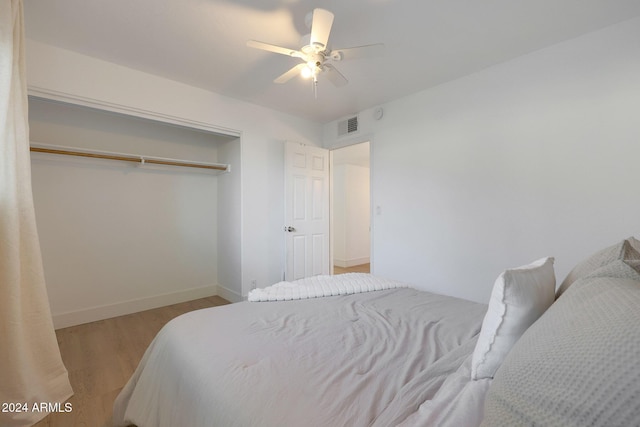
(119, 237)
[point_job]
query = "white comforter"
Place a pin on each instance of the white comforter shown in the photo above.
(368, 359)
(323, 286)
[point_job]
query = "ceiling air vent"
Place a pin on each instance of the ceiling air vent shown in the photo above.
(348, 126)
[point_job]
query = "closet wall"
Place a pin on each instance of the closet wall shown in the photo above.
(118, 237)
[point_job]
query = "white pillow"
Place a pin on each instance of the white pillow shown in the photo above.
(520, 295)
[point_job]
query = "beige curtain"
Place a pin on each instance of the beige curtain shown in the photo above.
(31, 369)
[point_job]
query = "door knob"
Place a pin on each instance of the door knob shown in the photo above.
(290, 229)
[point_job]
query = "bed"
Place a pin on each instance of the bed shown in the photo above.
(368, 358)
(360, 351)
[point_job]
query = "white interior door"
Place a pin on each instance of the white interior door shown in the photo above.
(306, 211)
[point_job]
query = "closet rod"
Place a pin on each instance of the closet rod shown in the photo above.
(128, 158)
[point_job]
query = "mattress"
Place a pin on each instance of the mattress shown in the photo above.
(366, 359)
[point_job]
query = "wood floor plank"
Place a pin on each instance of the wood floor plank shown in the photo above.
(362, 268)
(101, 357)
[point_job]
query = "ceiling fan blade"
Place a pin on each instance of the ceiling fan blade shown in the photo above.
(273, 48)
(290, 74)
(321, 27)
(334, 76)
(357, 52)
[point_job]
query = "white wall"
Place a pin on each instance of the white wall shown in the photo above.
(339, 212)
(229, 214)
(63, 74)
(537, 156)
(351, 214)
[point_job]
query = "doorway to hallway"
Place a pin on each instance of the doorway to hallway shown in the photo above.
(351, 209)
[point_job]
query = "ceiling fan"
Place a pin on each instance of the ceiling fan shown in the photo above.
(315, 54)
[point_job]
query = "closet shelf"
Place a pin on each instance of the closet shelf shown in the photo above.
(135, 158)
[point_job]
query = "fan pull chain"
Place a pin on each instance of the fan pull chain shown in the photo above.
(315, 86)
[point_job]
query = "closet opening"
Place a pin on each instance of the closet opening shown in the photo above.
(124, 235)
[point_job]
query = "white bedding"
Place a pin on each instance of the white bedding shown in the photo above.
(323, 286)
(368, 359)
(458, 403)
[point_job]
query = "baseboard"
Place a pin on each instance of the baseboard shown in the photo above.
(92, 314)
(230, 295)
(344, 263)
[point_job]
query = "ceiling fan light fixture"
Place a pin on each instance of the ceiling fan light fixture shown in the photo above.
(311, 69)
(315, 54)
(306, 72)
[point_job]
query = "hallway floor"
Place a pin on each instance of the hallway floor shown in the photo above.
(363, 268)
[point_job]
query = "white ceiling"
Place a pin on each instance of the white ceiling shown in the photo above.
(427, 42)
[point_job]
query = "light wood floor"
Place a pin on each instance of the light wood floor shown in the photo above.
(101, 356)
(363, 268)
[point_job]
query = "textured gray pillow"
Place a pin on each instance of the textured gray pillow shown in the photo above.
(621, 251)
(579, 364)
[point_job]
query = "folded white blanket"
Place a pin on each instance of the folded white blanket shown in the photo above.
(323, 286)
